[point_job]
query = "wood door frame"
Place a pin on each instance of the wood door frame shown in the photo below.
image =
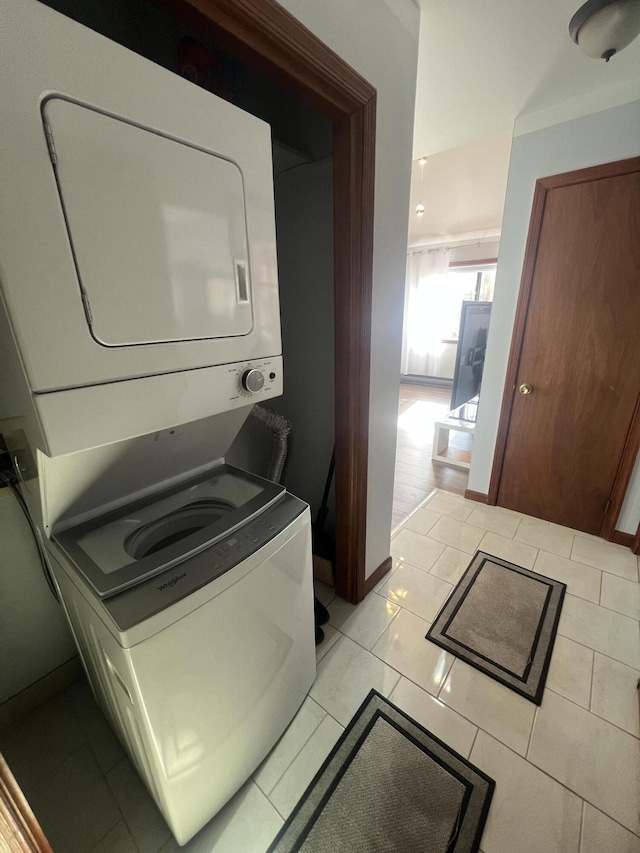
(632, 443)
(18, 824)
(267, 37)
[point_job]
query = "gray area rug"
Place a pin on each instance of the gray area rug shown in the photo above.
(502, 619)
(389, 786)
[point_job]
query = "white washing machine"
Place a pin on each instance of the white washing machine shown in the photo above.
(193, 613)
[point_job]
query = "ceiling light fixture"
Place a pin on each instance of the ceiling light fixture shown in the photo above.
(602, 28)
(420, 206)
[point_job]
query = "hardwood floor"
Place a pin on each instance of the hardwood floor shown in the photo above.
(416, 475)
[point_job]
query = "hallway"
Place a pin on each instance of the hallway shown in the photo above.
(416, 476)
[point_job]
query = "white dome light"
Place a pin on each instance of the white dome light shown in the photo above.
(602, 28)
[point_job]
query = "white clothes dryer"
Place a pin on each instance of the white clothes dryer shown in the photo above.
(138, 243)
(193, 614)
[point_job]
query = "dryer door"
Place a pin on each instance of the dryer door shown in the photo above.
(137, 229)
(157, 228)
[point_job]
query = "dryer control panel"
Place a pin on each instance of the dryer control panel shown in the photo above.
(83, 417)
(258, 378)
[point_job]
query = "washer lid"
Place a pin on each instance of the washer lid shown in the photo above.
(157, 228)
(123, 548)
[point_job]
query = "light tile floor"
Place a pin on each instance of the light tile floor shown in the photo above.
(567, 773)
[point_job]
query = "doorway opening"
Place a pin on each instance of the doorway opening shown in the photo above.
(455, 221)
(447, 315)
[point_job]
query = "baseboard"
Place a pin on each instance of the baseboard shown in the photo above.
(621, 538)
(375, 578)
(433, 381)
(42, 690)
(480, 497)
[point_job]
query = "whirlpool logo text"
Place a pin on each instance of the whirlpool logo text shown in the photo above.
(174, 580)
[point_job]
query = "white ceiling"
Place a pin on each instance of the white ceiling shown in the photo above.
(462, 190)
(482, 64)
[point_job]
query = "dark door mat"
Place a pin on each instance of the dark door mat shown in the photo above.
(389, 786)
(502, 619)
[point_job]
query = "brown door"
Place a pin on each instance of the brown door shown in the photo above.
(580, 350)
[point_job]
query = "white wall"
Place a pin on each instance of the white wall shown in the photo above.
(378, 38)
(603, 137)
(34, 637)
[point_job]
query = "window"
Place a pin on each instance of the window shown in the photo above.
(468, 283)
(434, 295)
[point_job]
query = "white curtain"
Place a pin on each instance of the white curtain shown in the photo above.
(422, 331)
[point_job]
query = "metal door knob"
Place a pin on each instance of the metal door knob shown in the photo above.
(525, 388)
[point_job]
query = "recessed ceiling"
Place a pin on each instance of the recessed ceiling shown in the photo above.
(482, 64)
(462, 190)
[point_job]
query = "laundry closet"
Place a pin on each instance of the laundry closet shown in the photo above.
(165, 389)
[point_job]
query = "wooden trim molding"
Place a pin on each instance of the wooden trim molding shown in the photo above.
(353, 188)
(517, 338)
(19, 829)
(623, 476)
(636, 542)
(264, 35)
(374, 579)
(592, 173)
(480, 497)
(622, 538)
(632, 444)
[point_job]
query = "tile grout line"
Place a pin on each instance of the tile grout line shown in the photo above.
(315, 729)
(111, 828)
(602, 811)
(610, 609)
(581, 834)
(558, 782)
(533, 723)
(597, 651)
(268, 796)
(601, 585)
(593, 713)
(610, 656)
(475, 738)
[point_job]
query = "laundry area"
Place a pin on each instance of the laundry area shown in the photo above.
(142, 327)
(212, 638)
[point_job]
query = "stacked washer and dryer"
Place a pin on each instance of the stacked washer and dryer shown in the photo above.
(139, 324)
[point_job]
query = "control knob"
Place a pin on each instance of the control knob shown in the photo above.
(252, 380)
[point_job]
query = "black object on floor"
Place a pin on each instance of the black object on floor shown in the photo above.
(502, 619)
(324, 546)
(320, 612)
(389, 785)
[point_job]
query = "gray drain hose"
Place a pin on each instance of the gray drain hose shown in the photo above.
(280, 428)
